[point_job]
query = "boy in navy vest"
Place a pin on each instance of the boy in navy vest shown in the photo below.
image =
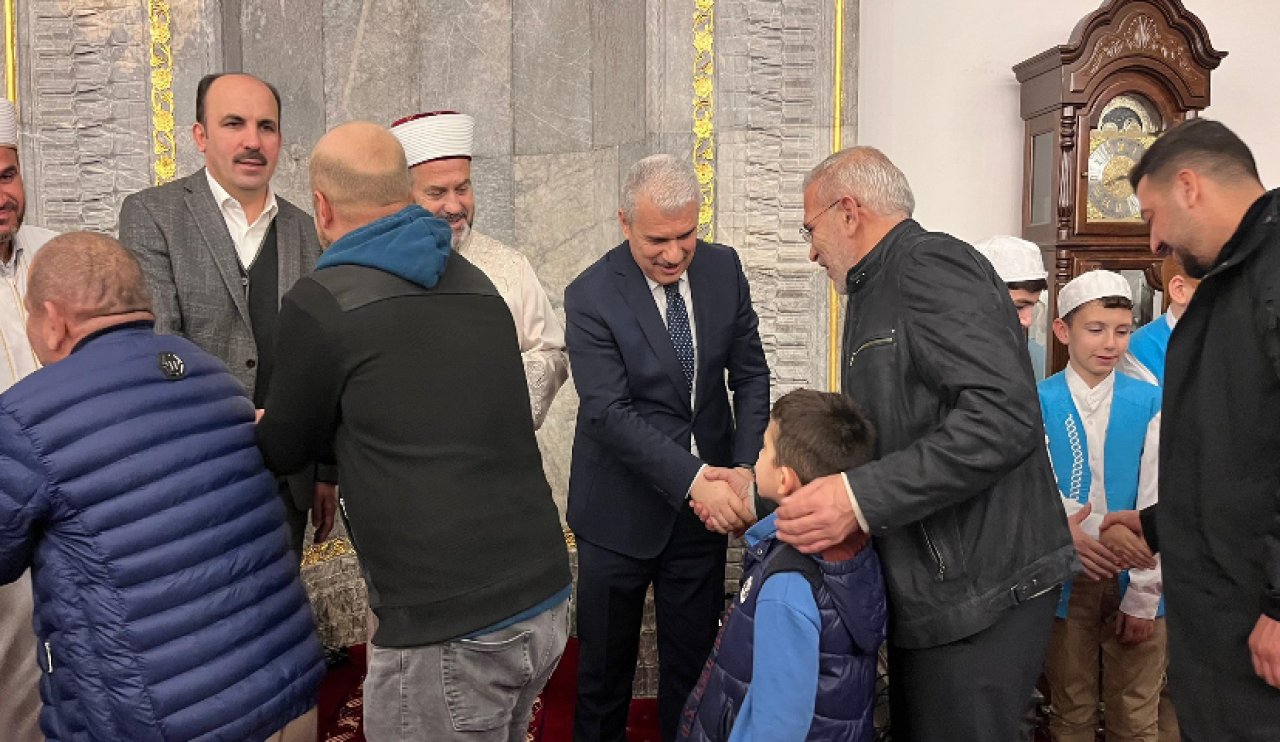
(1147, 347)
(1103, 437)
(796, 657)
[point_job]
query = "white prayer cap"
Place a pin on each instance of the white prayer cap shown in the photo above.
(1014, 259)
(436, 135)
(8, 124)
(1086, 287)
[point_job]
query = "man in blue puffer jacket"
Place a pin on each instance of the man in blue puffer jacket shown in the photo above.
(167, 606)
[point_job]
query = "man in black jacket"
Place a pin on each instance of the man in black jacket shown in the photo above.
(1219, 512)
(401, 358)
(960, 499)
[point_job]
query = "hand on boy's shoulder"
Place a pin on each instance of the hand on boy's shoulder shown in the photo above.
(818, 516)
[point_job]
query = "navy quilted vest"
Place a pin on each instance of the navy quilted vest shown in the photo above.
(851, 603)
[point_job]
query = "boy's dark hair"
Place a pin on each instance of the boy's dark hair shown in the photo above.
(820, 433)
(1200, 144)
(202, 90)
(1108, 302)
(1034, 287)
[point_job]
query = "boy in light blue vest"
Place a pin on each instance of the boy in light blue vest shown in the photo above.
(1103, 438)
(1147, 347)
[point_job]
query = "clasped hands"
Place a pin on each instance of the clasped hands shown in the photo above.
(1119, 545)
(722, 499)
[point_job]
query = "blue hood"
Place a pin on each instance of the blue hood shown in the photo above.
(410, 243)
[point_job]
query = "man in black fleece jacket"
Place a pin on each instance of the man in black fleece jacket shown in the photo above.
(400, 360)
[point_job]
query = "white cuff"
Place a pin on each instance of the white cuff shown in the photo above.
(857, 510)
(689, 493)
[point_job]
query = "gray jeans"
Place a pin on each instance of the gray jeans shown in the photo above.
(477, 690)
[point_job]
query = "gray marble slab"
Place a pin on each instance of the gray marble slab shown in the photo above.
(551, 76)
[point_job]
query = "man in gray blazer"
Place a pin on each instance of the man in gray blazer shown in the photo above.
(219, 249)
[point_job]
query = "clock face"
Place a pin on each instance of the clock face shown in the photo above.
(1127, 127)
(1111, 198)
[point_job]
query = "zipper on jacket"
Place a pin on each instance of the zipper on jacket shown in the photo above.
(48, 655)
(937, 555)
(873, 342)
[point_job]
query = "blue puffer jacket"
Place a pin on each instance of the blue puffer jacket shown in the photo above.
(168, 605)
(853, 613)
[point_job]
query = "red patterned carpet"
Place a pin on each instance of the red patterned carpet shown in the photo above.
(340, 704)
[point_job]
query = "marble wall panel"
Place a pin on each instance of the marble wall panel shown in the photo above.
(372, 55)
(551, 76)
(617, 72)
(669, 66)
(296, 69)
(197, 31)
(494, 184)
(466, 66)
(85, 110)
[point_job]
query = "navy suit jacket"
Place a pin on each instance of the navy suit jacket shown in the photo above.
(631, 466)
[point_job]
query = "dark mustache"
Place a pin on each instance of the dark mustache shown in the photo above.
(252, 155)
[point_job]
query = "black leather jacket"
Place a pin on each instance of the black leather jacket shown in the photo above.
(961, 498)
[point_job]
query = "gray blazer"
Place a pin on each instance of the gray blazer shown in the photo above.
(179, 236)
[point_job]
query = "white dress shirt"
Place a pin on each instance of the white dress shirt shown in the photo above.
(247, 237)
(541, 336)
(16, 357)
(1094, 405)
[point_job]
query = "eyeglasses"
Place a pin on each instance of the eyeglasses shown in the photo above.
(806, 230)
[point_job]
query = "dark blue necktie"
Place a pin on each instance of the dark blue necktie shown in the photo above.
(678, 326)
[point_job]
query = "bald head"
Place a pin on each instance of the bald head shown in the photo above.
(79, 283)
(360, 165)
(88, 275)
(358, 175)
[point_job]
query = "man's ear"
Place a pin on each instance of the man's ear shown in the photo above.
(323, 209)
(1060, 330)
(1187, 188)
(55, 326)
(622, 224)
(198, 135)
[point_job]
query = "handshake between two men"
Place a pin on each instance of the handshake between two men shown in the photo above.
(724, 499)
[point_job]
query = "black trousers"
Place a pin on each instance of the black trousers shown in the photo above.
(294, 517)
(688, 588)
(974, 689)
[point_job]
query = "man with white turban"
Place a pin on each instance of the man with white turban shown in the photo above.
(438, 147)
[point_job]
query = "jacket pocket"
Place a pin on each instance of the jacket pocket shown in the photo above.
(483, 680)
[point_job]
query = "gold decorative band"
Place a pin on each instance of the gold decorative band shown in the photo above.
(837, 143)
(326, 551)
(704, 152)
(164, 146)
(11, 50)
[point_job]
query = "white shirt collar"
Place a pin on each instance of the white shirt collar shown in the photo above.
(682, 283)
(228, 203)
(1086, 398)
(1171, 320)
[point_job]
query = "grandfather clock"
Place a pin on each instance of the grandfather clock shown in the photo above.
(1092, 107)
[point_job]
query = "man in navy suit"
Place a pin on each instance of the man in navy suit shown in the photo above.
(653, 327)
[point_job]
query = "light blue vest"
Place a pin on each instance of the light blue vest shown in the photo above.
(1133, 404)
(1150, 343)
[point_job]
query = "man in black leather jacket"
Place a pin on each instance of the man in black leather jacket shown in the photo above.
(961, 500)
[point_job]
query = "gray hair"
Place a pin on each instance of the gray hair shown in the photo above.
(867, 175)
(669, 182)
